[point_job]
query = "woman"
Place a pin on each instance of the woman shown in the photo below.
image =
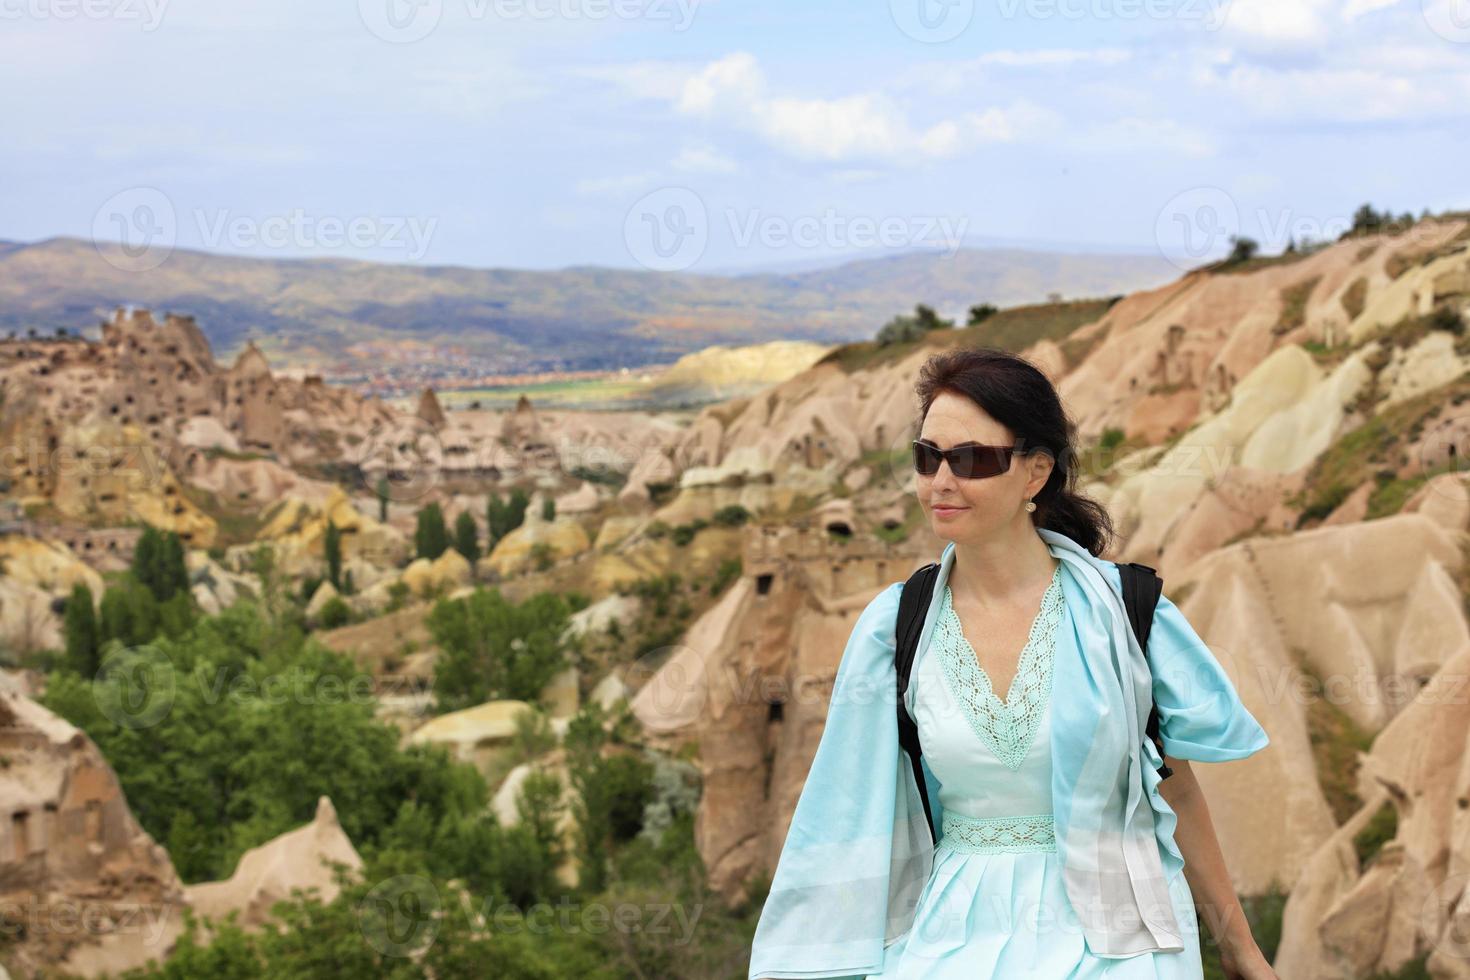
(1060, 852)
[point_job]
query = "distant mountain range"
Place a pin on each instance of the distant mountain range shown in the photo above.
(509, 320)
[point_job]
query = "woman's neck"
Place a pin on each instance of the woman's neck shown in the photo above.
(1002, 569)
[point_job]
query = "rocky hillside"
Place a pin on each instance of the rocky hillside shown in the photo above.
(1280, 437)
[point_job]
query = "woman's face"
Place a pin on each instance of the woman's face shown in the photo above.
(971, 509)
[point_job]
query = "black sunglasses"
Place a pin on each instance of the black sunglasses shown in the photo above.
(969, 461)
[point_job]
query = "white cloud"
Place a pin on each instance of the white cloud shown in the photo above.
(864, 125)
(1273, 22)
(1343, 94)
(1291, 23)
(734, 81)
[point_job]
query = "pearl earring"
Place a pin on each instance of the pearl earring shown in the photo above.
(1030, 506)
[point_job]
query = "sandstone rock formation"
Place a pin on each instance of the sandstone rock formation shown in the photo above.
(91, 890)
(1249, 394)
(480, 735)
(301, 858)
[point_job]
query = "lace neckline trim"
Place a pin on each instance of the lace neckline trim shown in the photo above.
(1006, 726)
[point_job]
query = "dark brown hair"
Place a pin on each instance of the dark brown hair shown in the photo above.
(1016, 394)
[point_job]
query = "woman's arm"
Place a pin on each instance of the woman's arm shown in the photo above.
(1209, 880)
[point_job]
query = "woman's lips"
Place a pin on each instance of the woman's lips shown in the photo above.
(941, 510)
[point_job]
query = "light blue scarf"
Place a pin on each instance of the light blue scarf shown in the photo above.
(858, 851)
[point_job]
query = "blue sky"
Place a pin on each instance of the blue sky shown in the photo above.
(716, 135)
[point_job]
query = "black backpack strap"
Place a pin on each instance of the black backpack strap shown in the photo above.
(913, 605)
(1141, 589)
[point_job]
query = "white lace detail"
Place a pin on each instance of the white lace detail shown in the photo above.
(1007, 727)
(996, 835)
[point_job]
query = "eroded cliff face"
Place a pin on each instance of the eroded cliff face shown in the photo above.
(1286, 453)
(81, 884)
(751, 681)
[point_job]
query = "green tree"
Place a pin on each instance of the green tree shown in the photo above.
(980, 313)
(611, 793)
(334, 612)
(1366, 219)
(83, 639)
(490, 648)
(382, 491)
(467, 537)
(130, 613)
(906, 328)
(175, 572)
(244, 734)
(332, 552)
(158, 563)
(548, 509)
(146, 551)
(1242, 249)
(731, 515)
(431, 537)
(504, 516)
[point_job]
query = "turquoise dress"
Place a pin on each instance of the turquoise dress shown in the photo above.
(995, 904)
